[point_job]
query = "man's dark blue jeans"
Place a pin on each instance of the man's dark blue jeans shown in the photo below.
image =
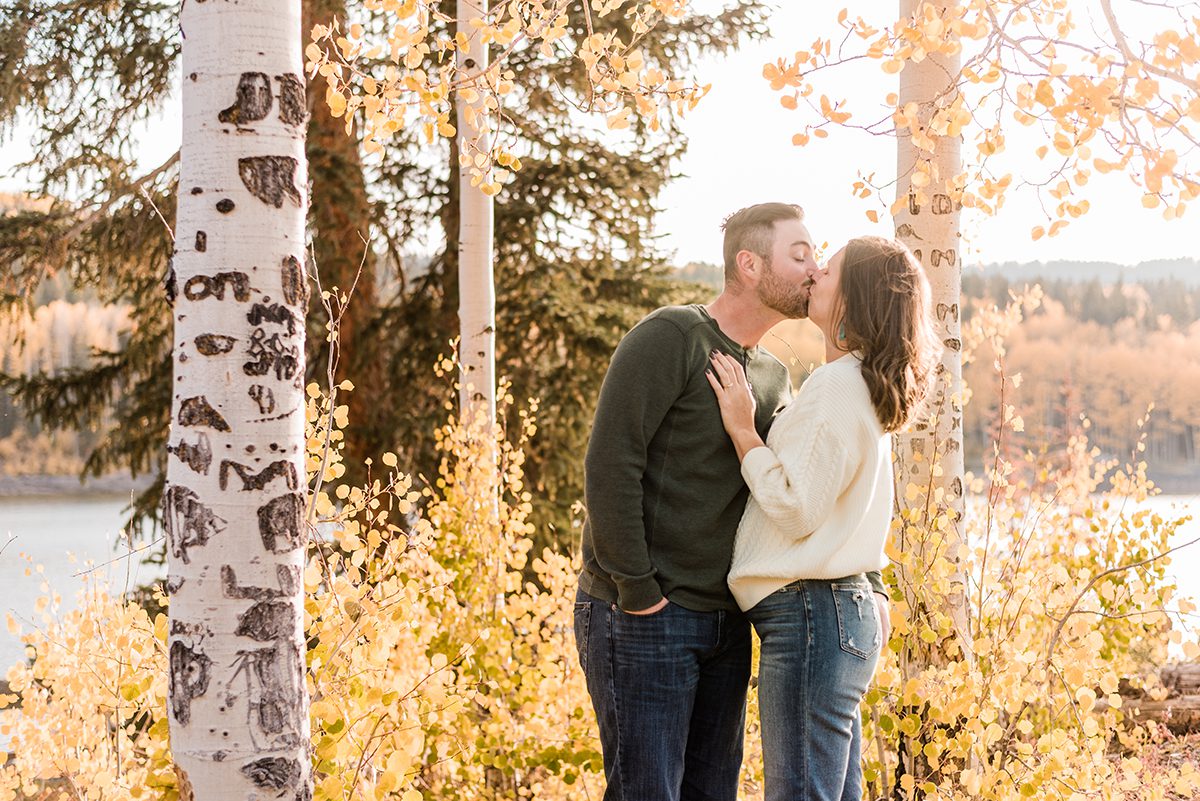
(669, 690)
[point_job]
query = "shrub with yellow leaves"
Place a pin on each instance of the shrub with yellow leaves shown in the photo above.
(440, 655)
(441, 660)
(1068, 596)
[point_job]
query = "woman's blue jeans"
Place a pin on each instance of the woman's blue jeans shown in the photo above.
(820, 644)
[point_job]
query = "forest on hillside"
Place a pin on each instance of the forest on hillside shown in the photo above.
(1093, 356)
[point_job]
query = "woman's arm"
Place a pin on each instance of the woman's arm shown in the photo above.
(728, 380)
(797, 487)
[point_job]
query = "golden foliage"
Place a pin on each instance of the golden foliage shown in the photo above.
(441, 661)
(1104, 102)
(409, 78)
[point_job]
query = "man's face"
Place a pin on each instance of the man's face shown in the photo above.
(787, 275)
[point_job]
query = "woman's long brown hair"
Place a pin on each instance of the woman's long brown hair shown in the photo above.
(884, 302)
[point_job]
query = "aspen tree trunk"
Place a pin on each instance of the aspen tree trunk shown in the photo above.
(235, 501)
(476, 285)
(928, 223)
(931, 455)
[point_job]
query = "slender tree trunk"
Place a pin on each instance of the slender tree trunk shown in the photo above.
(341, 229)
(931, 456)
(928, 223)
(476, 285)
(234, 506)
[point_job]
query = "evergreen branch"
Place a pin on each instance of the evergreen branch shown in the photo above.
(102, 208)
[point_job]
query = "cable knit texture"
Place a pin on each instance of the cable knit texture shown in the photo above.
(821, 489)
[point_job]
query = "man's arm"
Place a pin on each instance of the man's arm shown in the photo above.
(647, 374)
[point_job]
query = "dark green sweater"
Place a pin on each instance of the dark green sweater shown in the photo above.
(664, 489)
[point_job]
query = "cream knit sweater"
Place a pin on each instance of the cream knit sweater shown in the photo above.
(821, 489)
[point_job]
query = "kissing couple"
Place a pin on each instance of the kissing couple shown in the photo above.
(717, 502)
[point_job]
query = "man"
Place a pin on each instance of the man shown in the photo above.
(665, 650)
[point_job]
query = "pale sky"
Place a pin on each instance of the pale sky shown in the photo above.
(741, 153)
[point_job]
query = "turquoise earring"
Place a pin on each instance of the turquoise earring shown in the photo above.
(841, 331)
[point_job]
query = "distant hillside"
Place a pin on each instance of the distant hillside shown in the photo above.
(1183, 270)
(699, 272)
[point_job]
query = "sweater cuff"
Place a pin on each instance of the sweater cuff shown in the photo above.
(634, 595)
(876, 580)
(756, 462)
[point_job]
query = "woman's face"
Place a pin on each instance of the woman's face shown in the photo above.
(823, 299)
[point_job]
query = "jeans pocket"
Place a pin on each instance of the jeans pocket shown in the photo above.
(583, 622)
(858, 623)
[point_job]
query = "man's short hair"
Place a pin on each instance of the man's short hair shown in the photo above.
(753, 229)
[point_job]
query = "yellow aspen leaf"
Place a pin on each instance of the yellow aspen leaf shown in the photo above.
(337, 104)
(1038, 232)
(788, 101)
(820, 133)
(1150, 201)
(892, 66)
(872, 215)
(618, 120)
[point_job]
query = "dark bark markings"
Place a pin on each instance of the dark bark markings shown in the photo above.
(188, 677)
(197, 456)
(214, 344)
(263, 396)
(281, 523)
(188, 522)
(199, 287)
(253, 100)
(272, 773)
(275, 313)
(286, 576)
(944, 310)
(291, 99)
(295, 283)
(198, 411)
(271, 179)
(937, 256)
(271, 353)
(274, 675)
(257, 481)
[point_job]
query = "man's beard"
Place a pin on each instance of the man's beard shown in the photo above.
(790, 300)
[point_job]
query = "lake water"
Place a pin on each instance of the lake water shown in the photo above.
(62, 534)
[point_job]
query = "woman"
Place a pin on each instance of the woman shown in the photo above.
(820, 511)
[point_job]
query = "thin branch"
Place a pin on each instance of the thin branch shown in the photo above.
(1123, 46)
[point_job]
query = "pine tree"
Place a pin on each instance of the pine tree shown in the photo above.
(576, 262)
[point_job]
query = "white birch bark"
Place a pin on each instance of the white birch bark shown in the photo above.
(928, 223)
(476, 284)
(235, 500)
